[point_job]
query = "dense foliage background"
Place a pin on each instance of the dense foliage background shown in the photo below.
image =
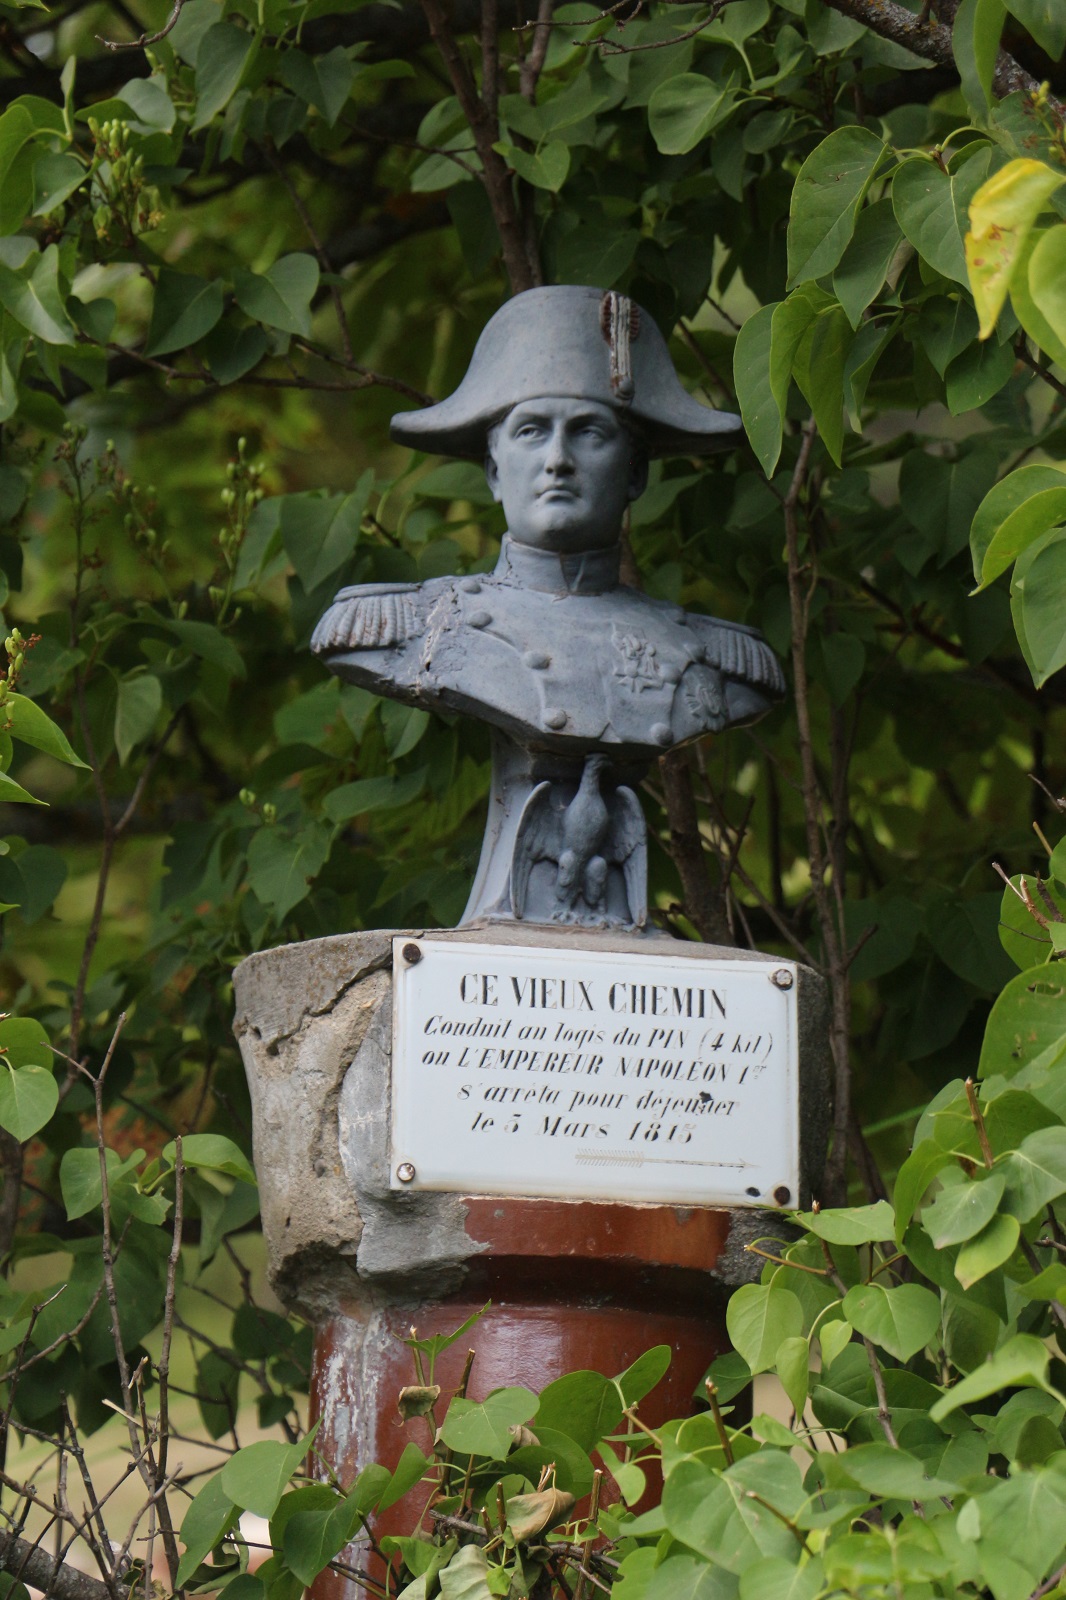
(227, 254)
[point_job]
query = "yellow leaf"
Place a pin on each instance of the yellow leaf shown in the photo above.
(1002, 212)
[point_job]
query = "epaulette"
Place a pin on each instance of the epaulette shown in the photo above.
(370, 616)
(741, 652)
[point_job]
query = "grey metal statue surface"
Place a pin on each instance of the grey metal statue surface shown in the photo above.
(582, 680)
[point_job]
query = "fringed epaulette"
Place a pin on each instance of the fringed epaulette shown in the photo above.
(740, 653)
(369, 617)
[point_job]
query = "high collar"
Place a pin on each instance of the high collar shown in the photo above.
(592, 572)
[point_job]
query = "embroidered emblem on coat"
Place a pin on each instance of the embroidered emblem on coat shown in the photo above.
(640, 668)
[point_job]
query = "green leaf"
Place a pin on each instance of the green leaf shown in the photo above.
(11, 792)
(323, 81)
(255, 1477)
(184, 309)
(28, 1097)
(1035, 1173)
(29, 723)
(280, 297)
(642, 1376)
(281, 868)
(1031, 318)
(1007, 500)
(1022, 1362)
(975, 42)
(858, 279)
(466, 1575)
(205, 640)
(793, 1369)
(1045, 20)
(24, 1043)
(758, 1318)
(55, 178)
(584, 1405)
(545, 168)
(1022, 937)
(1024, 1516)
(941, 496)
(963, 1209)
(320, 533)
(751, 377)
(994, 1245)
(977, 375)
(231, 351)
(1028, 1017)
(80, 1179)
(774, 1578)
(932, 208)
(1043, 609)
(820, 375)
(214, 1153)
(825, 200)
(208, 1519)
(137, 708)
(902, 1320)
(685, 109)
(1047, 285)
(1043, 510)
(851, 1225)
(480, 1427)
(1002, 213)
(410, 1469)
(833, 1337)
(224, 55)
(890, 1474)
(35, 300)
(313, 1537)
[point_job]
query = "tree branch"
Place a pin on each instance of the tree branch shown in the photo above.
(932, 41)
(41, 1570)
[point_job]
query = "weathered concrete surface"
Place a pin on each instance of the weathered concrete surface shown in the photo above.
(314, 1026)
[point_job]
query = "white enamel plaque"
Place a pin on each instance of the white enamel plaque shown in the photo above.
(589, 1075)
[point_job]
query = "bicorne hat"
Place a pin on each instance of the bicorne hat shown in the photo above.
(574, 343)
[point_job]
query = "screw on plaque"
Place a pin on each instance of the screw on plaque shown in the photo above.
(782, 978)
(405, 1172)
(781, 1194)
(412, 954)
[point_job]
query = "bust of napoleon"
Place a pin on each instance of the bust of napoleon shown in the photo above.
(582, 679)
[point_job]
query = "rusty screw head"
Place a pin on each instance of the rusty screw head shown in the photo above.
(412, 954)
(406, 1172)
(782, 978)
(781, 1194)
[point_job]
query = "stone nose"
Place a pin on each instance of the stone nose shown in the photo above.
(559, 457)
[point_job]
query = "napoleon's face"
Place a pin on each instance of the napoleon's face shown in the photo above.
(564, 472)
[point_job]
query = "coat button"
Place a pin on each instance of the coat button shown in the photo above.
(660, 732)
(479, 619)
(555, 717)
(537, 660)
(470, 586)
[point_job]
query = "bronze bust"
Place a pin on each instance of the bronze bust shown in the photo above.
(582, 679)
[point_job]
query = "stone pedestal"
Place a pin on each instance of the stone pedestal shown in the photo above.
(572, 1283)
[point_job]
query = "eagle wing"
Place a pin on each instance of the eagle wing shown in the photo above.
(539, 838)
(626, 846)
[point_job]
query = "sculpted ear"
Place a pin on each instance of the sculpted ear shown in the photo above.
(492, 476)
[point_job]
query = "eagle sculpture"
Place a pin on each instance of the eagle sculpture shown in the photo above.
(585, 839)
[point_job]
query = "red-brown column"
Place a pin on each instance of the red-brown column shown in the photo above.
(572, 1285)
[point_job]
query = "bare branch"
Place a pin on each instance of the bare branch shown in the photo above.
(932, 42)
(146, 38)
